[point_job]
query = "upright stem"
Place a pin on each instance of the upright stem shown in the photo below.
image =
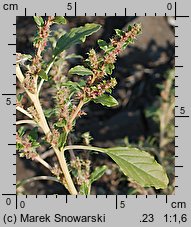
(44, 125)
(42, 120)
(64, 167)
(60, 156)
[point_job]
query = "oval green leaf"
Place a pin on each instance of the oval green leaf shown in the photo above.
(102, 44)
(106, 100)
(97, 173)
(80, 70)
(70, 56)
(62, 140)
(75, 36)
(60, 20)
(39, 21)
(84, 189)
(140, 166)
(43, 75)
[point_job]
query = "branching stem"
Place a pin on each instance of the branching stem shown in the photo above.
(81, 147)
(28, 180)
(24, 111)
(26, 122)
(74, 115)
(44, 125)
(44, 163)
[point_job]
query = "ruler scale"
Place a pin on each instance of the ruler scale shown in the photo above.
(108, 210)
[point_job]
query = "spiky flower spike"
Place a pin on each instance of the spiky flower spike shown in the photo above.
(101, 66)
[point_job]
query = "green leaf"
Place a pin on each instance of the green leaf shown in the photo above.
(110, 48)
(97, 173)
(125, 45)
(129, 41)
(19, 146)
(119, 32)
(73, 86)
(35, 144)
(23, 58)
(21, 155)
(43, 74)
(71, 56)
(75, 36)
(153, 112)
(102, 44)
(33, 135)
(84, 189)
(20, 96)
(60, 20)
(60, 124)
(82, 83)
(129, 28)
(49, 112)
(62, 139)
(36, 40)
(106, 100)
(109, 68)
(21, 131)
(140, 166)
(74, 172)
(39, 21)
(80, 70)
(70, 84)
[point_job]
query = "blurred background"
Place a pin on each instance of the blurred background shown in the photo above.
(144, 117)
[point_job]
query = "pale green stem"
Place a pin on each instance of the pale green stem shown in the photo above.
(81, 147)
(24, 111)
(44, 163)
(64, 167)
(28, 180)
(26, 122)
(75, 114)
(43, 124)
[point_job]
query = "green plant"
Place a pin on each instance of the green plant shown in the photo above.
(94, 83)
(162, 112)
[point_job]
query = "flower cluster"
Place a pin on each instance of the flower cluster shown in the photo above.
(53, 138)
(81, 170)
(41, 39)
(56, 171)
(25, 146)
(102, 66)
(36, 66)
(63, 104)
(100, 88)
(29, 82)
(120, 42)
(94, 65)
(99, 66)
